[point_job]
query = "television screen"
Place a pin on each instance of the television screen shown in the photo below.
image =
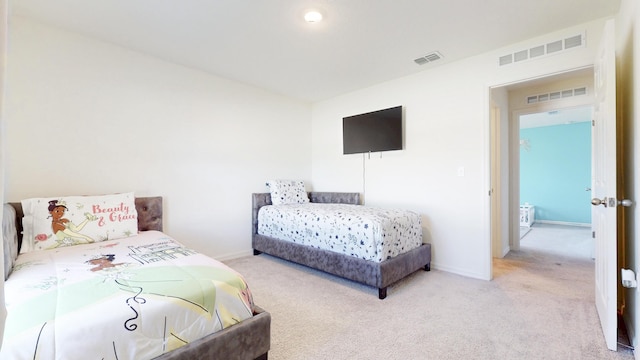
(374, 131)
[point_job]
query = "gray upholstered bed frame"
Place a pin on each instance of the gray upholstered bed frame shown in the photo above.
(249, 339)
(379, 275)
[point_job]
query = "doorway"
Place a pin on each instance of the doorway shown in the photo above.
(569, 90)
(605, 174)
(555, 181)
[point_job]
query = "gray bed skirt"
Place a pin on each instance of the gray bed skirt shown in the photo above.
(379, 275)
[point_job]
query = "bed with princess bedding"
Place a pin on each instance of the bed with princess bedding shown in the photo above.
(97, 278)
(331, 232)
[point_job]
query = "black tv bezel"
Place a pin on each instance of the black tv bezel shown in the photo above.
(371, 115)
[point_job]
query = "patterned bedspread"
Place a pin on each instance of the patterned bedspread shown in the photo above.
(132, 298)
(365, 232)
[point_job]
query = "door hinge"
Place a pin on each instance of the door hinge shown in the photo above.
(593, 123)
(593, 234)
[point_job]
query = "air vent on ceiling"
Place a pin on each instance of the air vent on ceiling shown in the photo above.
(549, 48)
(555, 95)
(431, 57)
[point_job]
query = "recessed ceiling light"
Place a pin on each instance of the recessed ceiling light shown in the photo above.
(313, 16)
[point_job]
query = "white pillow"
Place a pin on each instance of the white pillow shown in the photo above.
(71, 220)
(287, 192)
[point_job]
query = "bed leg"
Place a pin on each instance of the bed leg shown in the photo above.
(382, 293)
(427, 267)
(256, 252)
(264, 356)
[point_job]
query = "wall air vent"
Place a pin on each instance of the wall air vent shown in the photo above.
(573, 41)
(553, 47)
(507, 59)
(521, 55)
(555, 95)
(536, 51)
(431, 57)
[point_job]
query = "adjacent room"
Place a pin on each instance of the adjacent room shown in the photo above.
(555, 181)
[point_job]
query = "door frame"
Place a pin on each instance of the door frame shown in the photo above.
(511, 149)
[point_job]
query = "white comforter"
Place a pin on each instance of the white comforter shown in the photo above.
(132, 298)
(365, 232)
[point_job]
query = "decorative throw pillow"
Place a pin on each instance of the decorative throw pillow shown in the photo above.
(287, 192)
(71, 220)
(10, 238)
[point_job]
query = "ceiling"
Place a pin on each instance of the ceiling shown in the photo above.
(267, 44)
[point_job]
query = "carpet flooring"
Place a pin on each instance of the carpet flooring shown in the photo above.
(539, 305)
(564, 240)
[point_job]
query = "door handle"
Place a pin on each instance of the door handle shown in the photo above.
(611, 202)
(625, 202)
(596, 201)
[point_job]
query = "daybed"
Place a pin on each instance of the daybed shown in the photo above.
(378, 274)
(238, 339)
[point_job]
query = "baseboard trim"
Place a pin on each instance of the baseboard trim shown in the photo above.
(233, 256)
(568, 223)
(458, 271)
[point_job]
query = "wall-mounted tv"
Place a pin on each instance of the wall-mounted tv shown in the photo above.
(373, 131)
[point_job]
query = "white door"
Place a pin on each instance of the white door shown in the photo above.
(604, 212)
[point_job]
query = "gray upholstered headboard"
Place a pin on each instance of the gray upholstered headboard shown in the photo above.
(149, 215)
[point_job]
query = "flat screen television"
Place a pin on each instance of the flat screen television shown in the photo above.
(373, 131)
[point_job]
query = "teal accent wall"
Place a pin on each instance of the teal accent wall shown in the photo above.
(555, 169)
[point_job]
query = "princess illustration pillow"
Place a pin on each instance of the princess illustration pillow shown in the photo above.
(54, 222)
(66, 232)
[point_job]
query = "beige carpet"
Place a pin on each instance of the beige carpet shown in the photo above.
(537, 307)
(566, 240)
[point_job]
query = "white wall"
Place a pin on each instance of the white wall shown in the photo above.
(4, 27)
(447, 128)
(87, 117)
